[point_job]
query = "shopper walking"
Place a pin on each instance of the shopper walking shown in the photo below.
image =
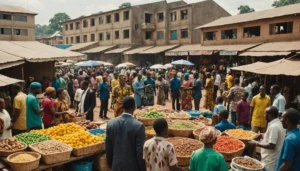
(87, 101)
(175, 92)
(197, 91)
(235, 94)
(103, 90)
(187, 93)
(33, 110)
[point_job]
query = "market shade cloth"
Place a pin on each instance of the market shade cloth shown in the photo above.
(8, 60)
(158, 66)
(168, 65)
(98, 49)
(158, 49)
(277, 47)
(253, 16)
(126, 64)
(80, 46)
(33, 51)
(250, 67)
(137, 50)
(108, 64)
(259, 54)
(119, 50)
(182, 62)
(5, 81)
(89, 63)
(63, 64)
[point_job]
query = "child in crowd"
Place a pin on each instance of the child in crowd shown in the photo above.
(224, 124)
(218, 108)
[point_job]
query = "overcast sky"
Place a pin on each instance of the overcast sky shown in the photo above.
(75, 8)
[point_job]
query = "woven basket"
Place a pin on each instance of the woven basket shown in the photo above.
(147, 121)
(149, 136)
(77, 119)
(229, 156)
(243, 168)
(24, 166)
(98, 147)
(181, 133)
(244, 140)
(5, 153)
(103, 163)
(54, 157)
(197, 136)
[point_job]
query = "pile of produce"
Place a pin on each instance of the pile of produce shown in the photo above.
(159, 108)
(50, 147)
(23, 158)
(152, 114)
(138, 112)
(80, 139)
(248, 163)
(31, 138)
(203, 120)
(228, 144)
(241, 134)
(87, 124)
(60, 130)
(179, 115)
(11, 144)
(185, 146)
(150, 130)
(183, 125)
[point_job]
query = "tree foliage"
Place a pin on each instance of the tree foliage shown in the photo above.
(125, 5)
(280, 3)
(245, 9)
(40, 30)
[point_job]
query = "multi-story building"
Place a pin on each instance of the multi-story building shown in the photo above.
(16, 23)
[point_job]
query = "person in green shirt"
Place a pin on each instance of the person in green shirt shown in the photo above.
(33, 110)
(207, 159)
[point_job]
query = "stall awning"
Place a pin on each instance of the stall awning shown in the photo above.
(277, 47)
(33, 51)
(158, 49)
(137, 50)
(183, 50)
(7, 60)
(119, 50)
(98, 49)
(79, 46)
(259, 54)
(250, 67)
(5, 81)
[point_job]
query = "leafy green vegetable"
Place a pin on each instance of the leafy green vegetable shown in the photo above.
(182, 125)
(152, 114)
(31, 138)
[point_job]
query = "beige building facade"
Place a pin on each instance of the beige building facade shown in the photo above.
(16, 24)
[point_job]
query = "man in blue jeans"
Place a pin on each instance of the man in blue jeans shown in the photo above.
(175, 92)
(104, 96)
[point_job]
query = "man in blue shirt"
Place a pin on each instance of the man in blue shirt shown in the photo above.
(138, 87)
(175, 91)
(104, 96)
(197, 94)
(224, 124)
(289, 158)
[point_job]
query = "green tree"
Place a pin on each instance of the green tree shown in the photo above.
(245, 9)
(280, 3)
(40, 30)
(125, 5)
(56, 22)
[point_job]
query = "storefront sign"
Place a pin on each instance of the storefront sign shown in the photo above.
(200, 52)
(228, 53)
(176, 53)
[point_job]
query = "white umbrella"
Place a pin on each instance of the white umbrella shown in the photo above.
(108, 64)
(168, 65)
(158, 66)
(126, 64)
(79, 63)
(182, 62)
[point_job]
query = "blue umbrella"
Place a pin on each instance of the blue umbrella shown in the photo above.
(182, 62)
(89, 63)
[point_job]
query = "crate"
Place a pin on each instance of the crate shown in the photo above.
(82, 166)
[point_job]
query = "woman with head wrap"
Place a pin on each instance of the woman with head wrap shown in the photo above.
(209, 93)
(62, 107)
(206, 158)
(186, 95)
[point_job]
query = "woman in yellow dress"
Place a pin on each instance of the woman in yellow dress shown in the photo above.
(61, 105)
(209, 93)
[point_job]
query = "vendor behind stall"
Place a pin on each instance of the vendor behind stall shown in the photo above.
(5, 120)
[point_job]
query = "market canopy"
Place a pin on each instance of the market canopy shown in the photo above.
(158, 66)
(158, 49)
(259, 54)
(182, 62)
(80, 46)
(7, 60)
(290, 46)
(250, 67)
(5, 81)
(118, 50)
(126, 64)
(98, 49)
(137, 50)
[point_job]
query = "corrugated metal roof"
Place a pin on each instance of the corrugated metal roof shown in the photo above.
(119, 50)
(277, 47)
(15, 9)
(79, 46)
(98, 49)
(281, 67)
(6, 58)
(237, 47)
(158, 49)
(250, 67)
(260, 54)
(137, 50)
(4, 80)
(253, 16)
(11, 64)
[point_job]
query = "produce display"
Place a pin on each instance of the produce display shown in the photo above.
(183, 125)
(50, 147)
(248, 163)
(60, 130)
(11, 144)
(87, 124)
(179, 115)
(159, 108)
(185, 146)
(228, 144)
(23, 158)
(150, 130)
(31, 138)
(204, 120)
(197, 132)
(241, 134)
(138, 112)
(152, 114)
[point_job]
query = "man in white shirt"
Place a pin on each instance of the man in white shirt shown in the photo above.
(217, 84)
(279, 100)
(248, 89)
(272, 140)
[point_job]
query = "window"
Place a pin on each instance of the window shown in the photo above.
(92, 37)
(108, 19)
(107, 35)
(100, 36)
(20, 18)
(148, 35)
(160, 35)
(85, 23)
(148, 18)
(252, 31)
(71, 26)
(67, 40)
(281, 28)
(184, 33)
(77, 39)
(92, 22)
(229, 34)
(173, 34)
(117, 17)
(85, 39)
(100, 20)
(77, 25)
(126, 15)
(184, 14)
(126, 34)
(72, 40)
(160, 17)
(22, 32)
(5, 31)
(5, 17)
(173, 16)
(66, 27)
(117, 34)
(209, 35)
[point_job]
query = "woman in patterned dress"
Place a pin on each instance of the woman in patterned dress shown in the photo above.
(161, 85)
(61, 105)
(186, 95)
(149, 90)
(209, 93)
